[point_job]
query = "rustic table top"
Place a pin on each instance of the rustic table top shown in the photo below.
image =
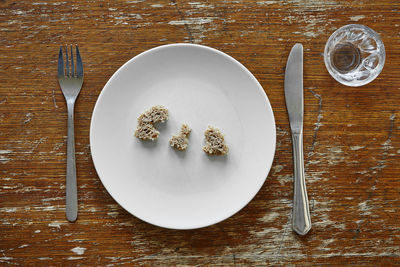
(351, 135)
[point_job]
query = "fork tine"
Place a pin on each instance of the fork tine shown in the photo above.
(60, 63)
(72, 64)
(66, 59)
(79, 66)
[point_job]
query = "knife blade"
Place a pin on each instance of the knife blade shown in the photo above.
(295, 107)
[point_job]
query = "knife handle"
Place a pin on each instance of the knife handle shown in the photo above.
(301, 212)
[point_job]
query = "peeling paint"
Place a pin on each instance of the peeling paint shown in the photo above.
(335, 156)
(357, 147)
(190, 21)
(364, 207)
(78, 250)
(268, 217)
(357, 18)
(267, 2)
(29, 117)
(52, 199)
(113, 214)
(283, 179)
(56, 224)
(8, 210)
(277, 168)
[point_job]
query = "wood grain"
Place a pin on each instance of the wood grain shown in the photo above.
(351, 141)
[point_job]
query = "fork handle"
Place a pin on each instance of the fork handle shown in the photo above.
(72, 196)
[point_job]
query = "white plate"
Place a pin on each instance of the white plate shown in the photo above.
(200, 86)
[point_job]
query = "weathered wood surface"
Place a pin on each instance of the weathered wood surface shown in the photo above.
(351, 142)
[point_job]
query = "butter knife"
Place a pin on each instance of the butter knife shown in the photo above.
(294, 105)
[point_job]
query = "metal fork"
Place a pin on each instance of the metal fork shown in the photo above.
(70, 80)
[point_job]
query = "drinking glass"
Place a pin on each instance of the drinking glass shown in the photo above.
(354, 55)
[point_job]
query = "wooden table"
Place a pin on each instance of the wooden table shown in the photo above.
(351, 135)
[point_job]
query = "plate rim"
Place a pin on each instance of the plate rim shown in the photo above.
(235, 61)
